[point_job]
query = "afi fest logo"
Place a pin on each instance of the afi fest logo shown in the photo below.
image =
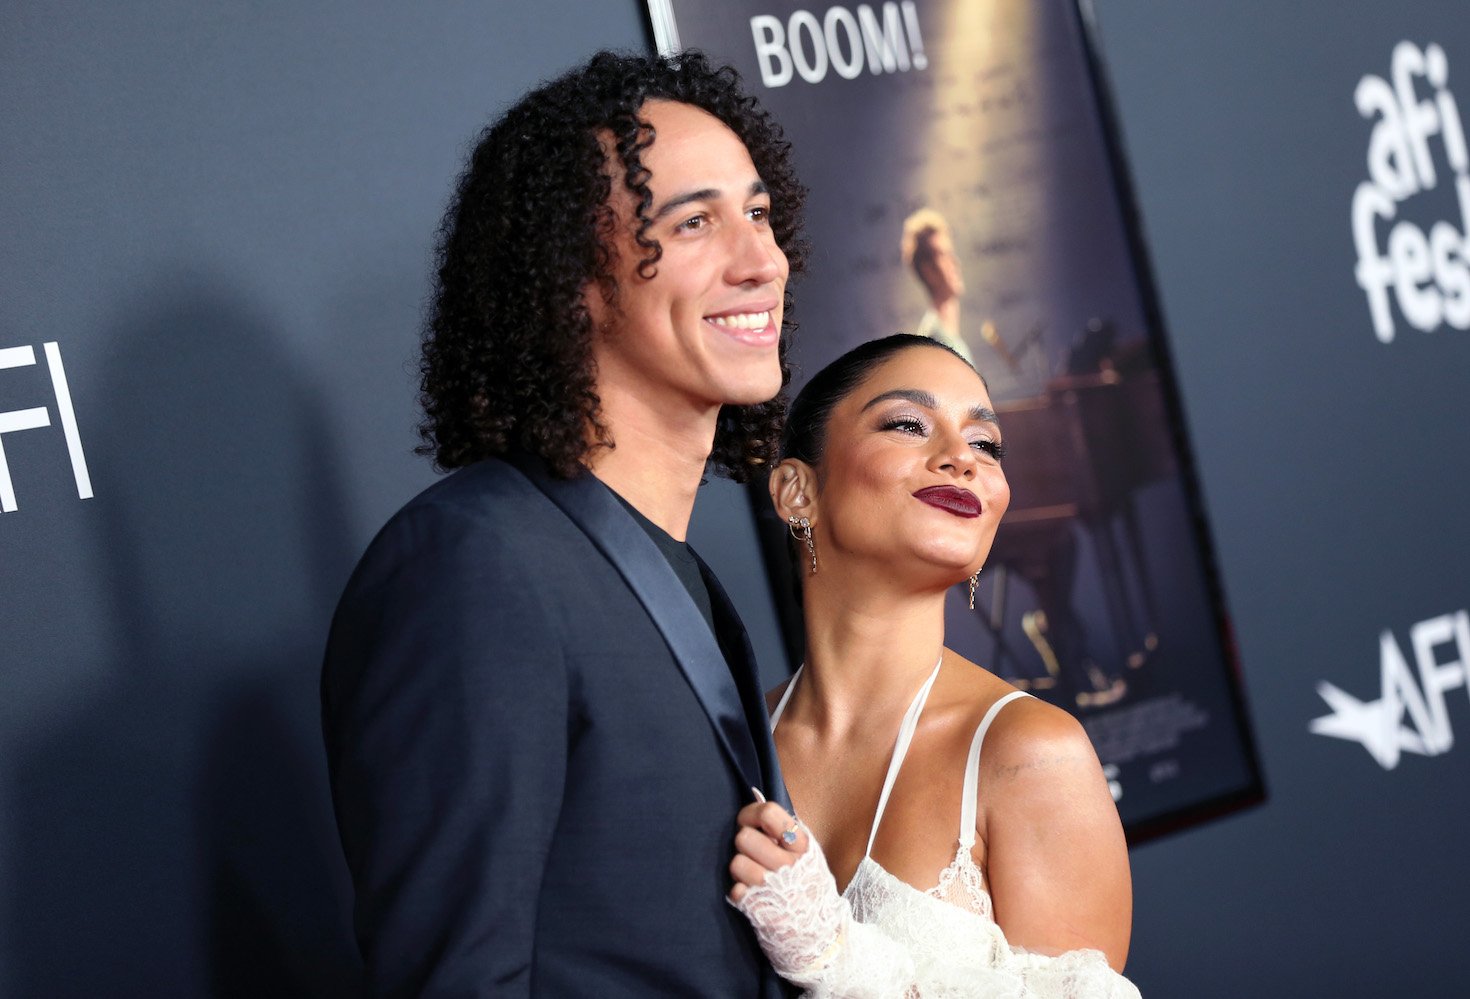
(1426, 275)
(35, 418)
(1410, 715)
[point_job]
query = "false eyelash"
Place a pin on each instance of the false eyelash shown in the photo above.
(996, 449)
(904, 423)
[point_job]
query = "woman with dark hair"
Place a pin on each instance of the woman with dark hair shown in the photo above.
(970, 825)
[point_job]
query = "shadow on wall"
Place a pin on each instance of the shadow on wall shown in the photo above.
(176, 837)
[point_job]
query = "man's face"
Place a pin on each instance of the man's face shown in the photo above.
(704, 330)
(940, 272)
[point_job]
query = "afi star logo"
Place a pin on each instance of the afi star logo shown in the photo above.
(1381, 725)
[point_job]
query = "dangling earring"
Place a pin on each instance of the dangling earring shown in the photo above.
(801, 530)
(974, 582)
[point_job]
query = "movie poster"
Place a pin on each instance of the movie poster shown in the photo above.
(965, 184)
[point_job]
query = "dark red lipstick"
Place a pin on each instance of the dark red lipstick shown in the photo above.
(951, 499)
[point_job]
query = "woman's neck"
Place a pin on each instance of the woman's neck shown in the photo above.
(867, 653)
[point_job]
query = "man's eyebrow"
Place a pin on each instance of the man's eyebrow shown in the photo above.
(703, 194)
(980, 414)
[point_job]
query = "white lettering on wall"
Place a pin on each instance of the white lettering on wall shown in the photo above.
(840, 41)
(39, 416)
(1427, 275)
(1441, 647)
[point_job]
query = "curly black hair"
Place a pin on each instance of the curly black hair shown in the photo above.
(507, 353)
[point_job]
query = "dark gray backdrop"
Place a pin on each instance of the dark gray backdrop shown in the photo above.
(1335, 473)
(222, 213)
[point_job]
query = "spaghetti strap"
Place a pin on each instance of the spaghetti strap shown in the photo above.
(901, 748)
(972, 771)
(785, 696)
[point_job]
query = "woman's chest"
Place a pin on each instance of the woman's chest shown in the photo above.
(837, 794)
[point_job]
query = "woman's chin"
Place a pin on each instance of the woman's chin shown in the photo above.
(955, 560)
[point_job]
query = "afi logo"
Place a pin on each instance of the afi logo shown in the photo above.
(1441, 648)
(32, 419)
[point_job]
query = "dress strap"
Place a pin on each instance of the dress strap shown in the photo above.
(972, 770)
(901, 748)
(785, 696)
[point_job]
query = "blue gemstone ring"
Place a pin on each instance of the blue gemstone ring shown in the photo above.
(789, 836)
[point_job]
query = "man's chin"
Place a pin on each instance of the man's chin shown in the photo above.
(756, 393)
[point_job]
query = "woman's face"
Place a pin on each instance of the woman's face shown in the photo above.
(911, 468)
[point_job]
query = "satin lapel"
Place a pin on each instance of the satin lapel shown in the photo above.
(592, 507)
(748, 679)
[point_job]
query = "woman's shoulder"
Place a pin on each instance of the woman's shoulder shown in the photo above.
(1027, 734)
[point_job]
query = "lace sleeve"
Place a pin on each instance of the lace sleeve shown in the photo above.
(808, 932)
(1077, 974)
(872, 965)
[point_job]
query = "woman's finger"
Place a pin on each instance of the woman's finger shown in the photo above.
(760, 848)
(776, 823)
(759, 813)
(746, 871)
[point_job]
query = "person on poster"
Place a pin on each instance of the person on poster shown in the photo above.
(928, 247)
(540, 709)
(971, 824)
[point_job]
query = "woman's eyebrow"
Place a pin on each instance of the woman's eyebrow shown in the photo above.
(984, 414)
(916, 396)
(980, 414)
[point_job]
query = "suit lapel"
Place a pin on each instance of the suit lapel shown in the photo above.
(747, 678)
(591, 506)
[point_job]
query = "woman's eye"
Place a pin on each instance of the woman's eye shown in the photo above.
(693, 223)
(760, 213)
(995, 449)
(905, 424)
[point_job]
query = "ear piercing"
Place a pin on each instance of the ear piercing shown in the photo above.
(801, 530)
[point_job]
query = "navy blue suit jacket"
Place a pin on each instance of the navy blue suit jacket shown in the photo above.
(537, 750)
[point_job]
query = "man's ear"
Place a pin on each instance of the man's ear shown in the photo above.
(794, 490)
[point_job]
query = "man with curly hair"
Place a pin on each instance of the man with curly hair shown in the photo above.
(540, 709)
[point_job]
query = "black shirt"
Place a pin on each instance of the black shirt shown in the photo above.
(682, 560)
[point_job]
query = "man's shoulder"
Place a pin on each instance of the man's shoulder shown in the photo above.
(492, 494)
(489, 502)
(478, 488)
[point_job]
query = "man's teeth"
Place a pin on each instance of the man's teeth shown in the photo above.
(744, 320)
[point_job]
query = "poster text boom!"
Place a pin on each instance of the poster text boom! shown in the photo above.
(841, 40)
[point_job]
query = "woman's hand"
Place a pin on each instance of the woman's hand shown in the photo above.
(783, 886)
(767, 840)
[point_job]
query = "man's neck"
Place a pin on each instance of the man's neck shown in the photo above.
(658, 462)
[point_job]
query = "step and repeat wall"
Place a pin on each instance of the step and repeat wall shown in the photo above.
(1304, 187)
(218, 222)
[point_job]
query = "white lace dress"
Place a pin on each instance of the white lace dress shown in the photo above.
(944, 943)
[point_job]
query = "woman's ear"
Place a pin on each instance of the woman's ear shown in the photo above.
(794, 490)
